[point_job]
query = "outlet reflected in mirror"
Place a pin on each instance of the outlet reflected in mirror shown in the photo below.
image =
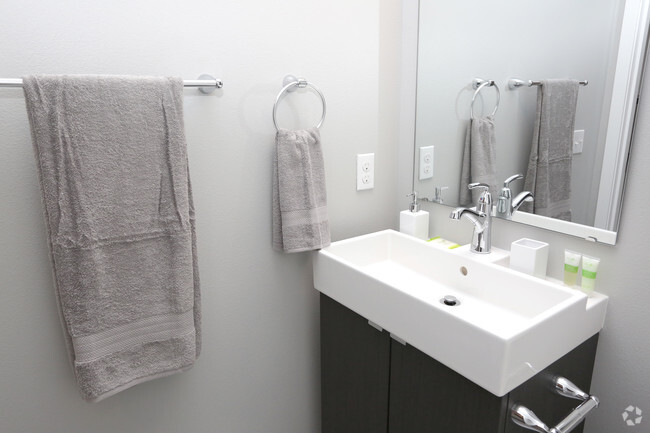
(602, 42)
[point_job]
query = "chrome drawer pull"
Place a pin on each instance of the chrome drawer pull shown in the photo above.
(526, 418)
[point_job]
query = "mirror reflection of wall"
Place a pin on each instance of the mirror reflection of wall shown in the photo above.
(507, 39)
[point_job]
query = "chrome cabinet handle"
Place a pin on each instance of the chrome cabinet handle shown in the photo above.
(566, 388)
(526, 418)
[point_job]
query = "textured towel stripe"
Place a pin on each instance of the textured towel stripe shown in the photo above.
(93, 342)
(157, 328)
(304, 217)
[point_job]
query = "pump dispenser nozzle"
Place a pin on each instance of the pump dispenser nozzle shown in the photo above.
(414, 206)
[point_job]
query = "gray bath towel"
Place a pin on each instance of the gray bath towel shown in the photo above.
(479, 159)
(300, 221)
(112, 162)
(551, 153)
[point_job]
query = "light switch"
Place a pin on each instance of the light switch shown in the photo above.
(578, 140)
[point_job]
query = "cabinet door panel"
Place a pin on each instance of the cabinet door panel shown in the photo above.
(428, 397)
(355, 370)
(537, 393)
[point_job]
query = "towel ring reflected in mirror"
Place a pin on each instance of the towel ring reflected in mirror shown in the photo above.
(292, 83)
(479, 84)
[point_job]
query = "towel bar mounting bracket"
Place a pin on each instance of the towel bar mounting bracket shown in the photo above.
(209, 89)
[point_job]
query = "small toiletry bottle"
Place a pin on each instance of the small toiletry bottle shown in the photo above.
(589, 270)
(414, 222)
(571, 264)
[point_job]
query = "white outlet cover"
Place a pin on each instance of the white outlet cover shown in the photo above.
(365, 171)
(426, 162)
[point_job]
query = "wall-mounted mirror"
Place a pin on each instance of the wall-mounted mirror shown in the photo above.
(598, 41)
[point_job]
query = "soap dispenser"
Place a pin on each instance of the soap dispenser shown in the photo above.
(414, 222)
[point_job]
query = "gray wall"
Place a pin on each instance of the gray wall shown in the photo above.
(259, 370)
(622, 373)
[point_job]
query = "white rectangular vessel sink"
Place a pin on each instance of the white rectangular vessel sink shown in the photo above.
(507, 327)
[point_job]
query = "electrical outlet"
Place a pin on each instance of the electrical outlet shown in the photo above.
(365, 171)
(578, 140)
(426, 162)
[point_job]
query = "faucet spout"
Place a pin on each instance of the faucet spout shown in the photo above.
(470, 214)
(524, 196)
(481, 242)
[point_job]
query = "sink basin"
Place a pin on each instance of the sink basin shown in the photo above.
(507, 326)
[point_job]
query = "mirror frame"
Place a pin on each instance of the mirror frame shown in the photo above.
(622, 116)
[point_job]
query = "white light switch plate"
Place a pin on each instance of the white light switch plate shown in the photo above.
(365, 171)
(578, 140)
(426, 162)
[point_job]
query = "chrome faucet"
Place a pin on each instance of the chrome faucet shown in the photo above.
(506, 205)
(482, 237)
(524, 196)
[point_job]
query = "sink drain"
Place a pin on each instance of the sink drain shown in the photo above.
(449, 300)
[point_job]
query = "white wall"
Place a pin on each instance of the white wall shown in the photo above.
(502, 40)
(259, 370)
(622, 372)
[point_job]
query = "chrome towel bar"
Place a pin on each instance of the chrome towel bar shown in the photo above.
(206, 83)
(515, 83)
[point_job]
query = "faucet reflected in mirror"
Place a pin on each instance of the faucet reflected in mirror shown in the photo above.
(481, 215)
(506, 206)
(596, 50)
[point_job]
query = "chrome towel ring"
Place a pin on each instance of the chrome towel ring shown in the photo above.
(291, 83)
(479, 84)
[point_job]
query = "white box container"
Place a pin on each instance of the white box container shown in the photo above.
(529, 256)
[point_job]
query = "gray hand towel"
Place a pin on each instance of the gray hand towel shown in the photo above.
(479, 159)
(112, 162)
(551, 153)
(300, 221)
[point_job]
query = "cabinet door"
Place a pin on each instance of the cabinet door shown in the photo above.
(428, 397)
(354, 371)
(537, 393)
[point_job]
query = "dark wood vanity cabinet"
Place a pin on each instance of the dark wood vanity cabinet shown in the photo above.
(371, 383)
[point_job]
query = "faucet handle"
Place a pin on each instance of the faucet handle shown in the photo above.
(479, 185)
(517, 176)
(484, 203)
